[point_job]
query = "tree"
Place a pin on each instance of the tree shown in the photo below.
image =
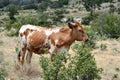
(43, 6)
(12, 11)
(64, 2)
(112, 8)
(58, 3)
(91, 5)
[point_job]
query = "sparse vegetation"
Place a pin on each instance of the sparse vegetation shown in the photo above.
(1, 76)
(3, 72)
(103, 47)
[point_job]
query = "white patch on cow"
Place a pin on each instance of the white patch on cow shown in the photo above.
(63, 49)
(73, 23)
(52, 47)
(46, 41)
(56, 41)
(24, 39)
(50, 31)
(25, 27)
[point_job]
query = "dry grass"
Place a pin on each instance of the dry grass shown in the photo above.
(108, 59)
(9, 61)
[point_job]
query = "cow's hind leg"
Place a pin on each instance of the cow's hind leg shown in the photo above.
(28, 57)
(21, 54)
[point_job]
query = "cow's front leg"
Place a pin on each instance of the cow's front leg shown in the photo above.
(21, 55)
(28, 57)
(52, 51)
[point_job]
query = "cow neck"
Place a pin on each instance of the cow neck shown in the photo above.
(72, 37)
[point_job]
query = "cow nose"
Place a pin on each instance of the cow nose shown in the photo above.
(87, 40)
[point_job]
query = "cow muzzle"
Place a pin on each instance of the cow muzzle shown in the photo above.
(87, 40)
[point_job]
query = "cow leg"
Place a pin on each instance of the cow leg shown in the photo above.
(21, 55)
(52, 56)
(52, 51)
(28, 57)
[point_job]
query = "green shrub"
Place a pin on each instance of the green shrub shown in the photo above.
(118, 10)
(107, 25)
(12, 11)
(89, 18)
(92, 37)
(1, 42)
(3, 73)
(82, 66)
(103, 47)
(20, 79)
(7, 24)
(30, 6)
(112, 8)
(29, 19)
(1, 76)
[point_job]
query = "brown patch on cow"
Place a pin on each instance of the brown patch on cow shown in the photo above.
(21, 34)
(64, 30)
(28, 31)
(36, 41)
(37, 38)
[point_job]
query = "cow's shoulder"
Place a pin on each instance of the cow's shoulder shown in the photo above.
(65, 30)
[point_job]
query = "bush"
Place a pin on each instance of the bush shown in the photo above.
(82, 66)
(112, 8)
(92, 36)
(1, 76)
(30, 6)
(12, 11)
(118, 10)
(3, 73)
(89, 18)
(42, 7)
(108, 25)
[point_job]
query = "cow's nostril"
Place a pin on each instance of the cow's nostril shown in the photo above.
(87, 40)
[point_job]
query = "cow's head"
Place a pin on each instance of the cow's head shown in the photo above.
(78, 31)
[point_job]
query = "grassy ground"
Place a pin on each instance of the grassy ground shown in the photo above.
(107, 58)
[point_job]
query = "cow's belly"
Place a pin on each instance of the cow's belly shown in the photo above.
(41, 49)
(63, 49)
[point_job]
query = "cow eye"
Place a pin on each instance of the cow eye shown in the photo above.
(81, 31)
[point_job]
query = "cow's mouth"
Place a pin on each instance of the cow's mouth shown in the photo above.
(87, 40)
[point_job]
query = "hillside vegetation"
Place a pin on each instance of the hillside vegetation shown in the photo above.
(97, 60)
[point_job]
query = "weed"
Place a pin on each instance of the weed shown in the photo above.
(1, 42)
(1, 57)
(103, 47)
(117, 69)
(20, 79)
(115, 76)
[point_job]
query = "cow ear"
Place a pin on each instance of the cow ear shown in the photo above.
(70, 25)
